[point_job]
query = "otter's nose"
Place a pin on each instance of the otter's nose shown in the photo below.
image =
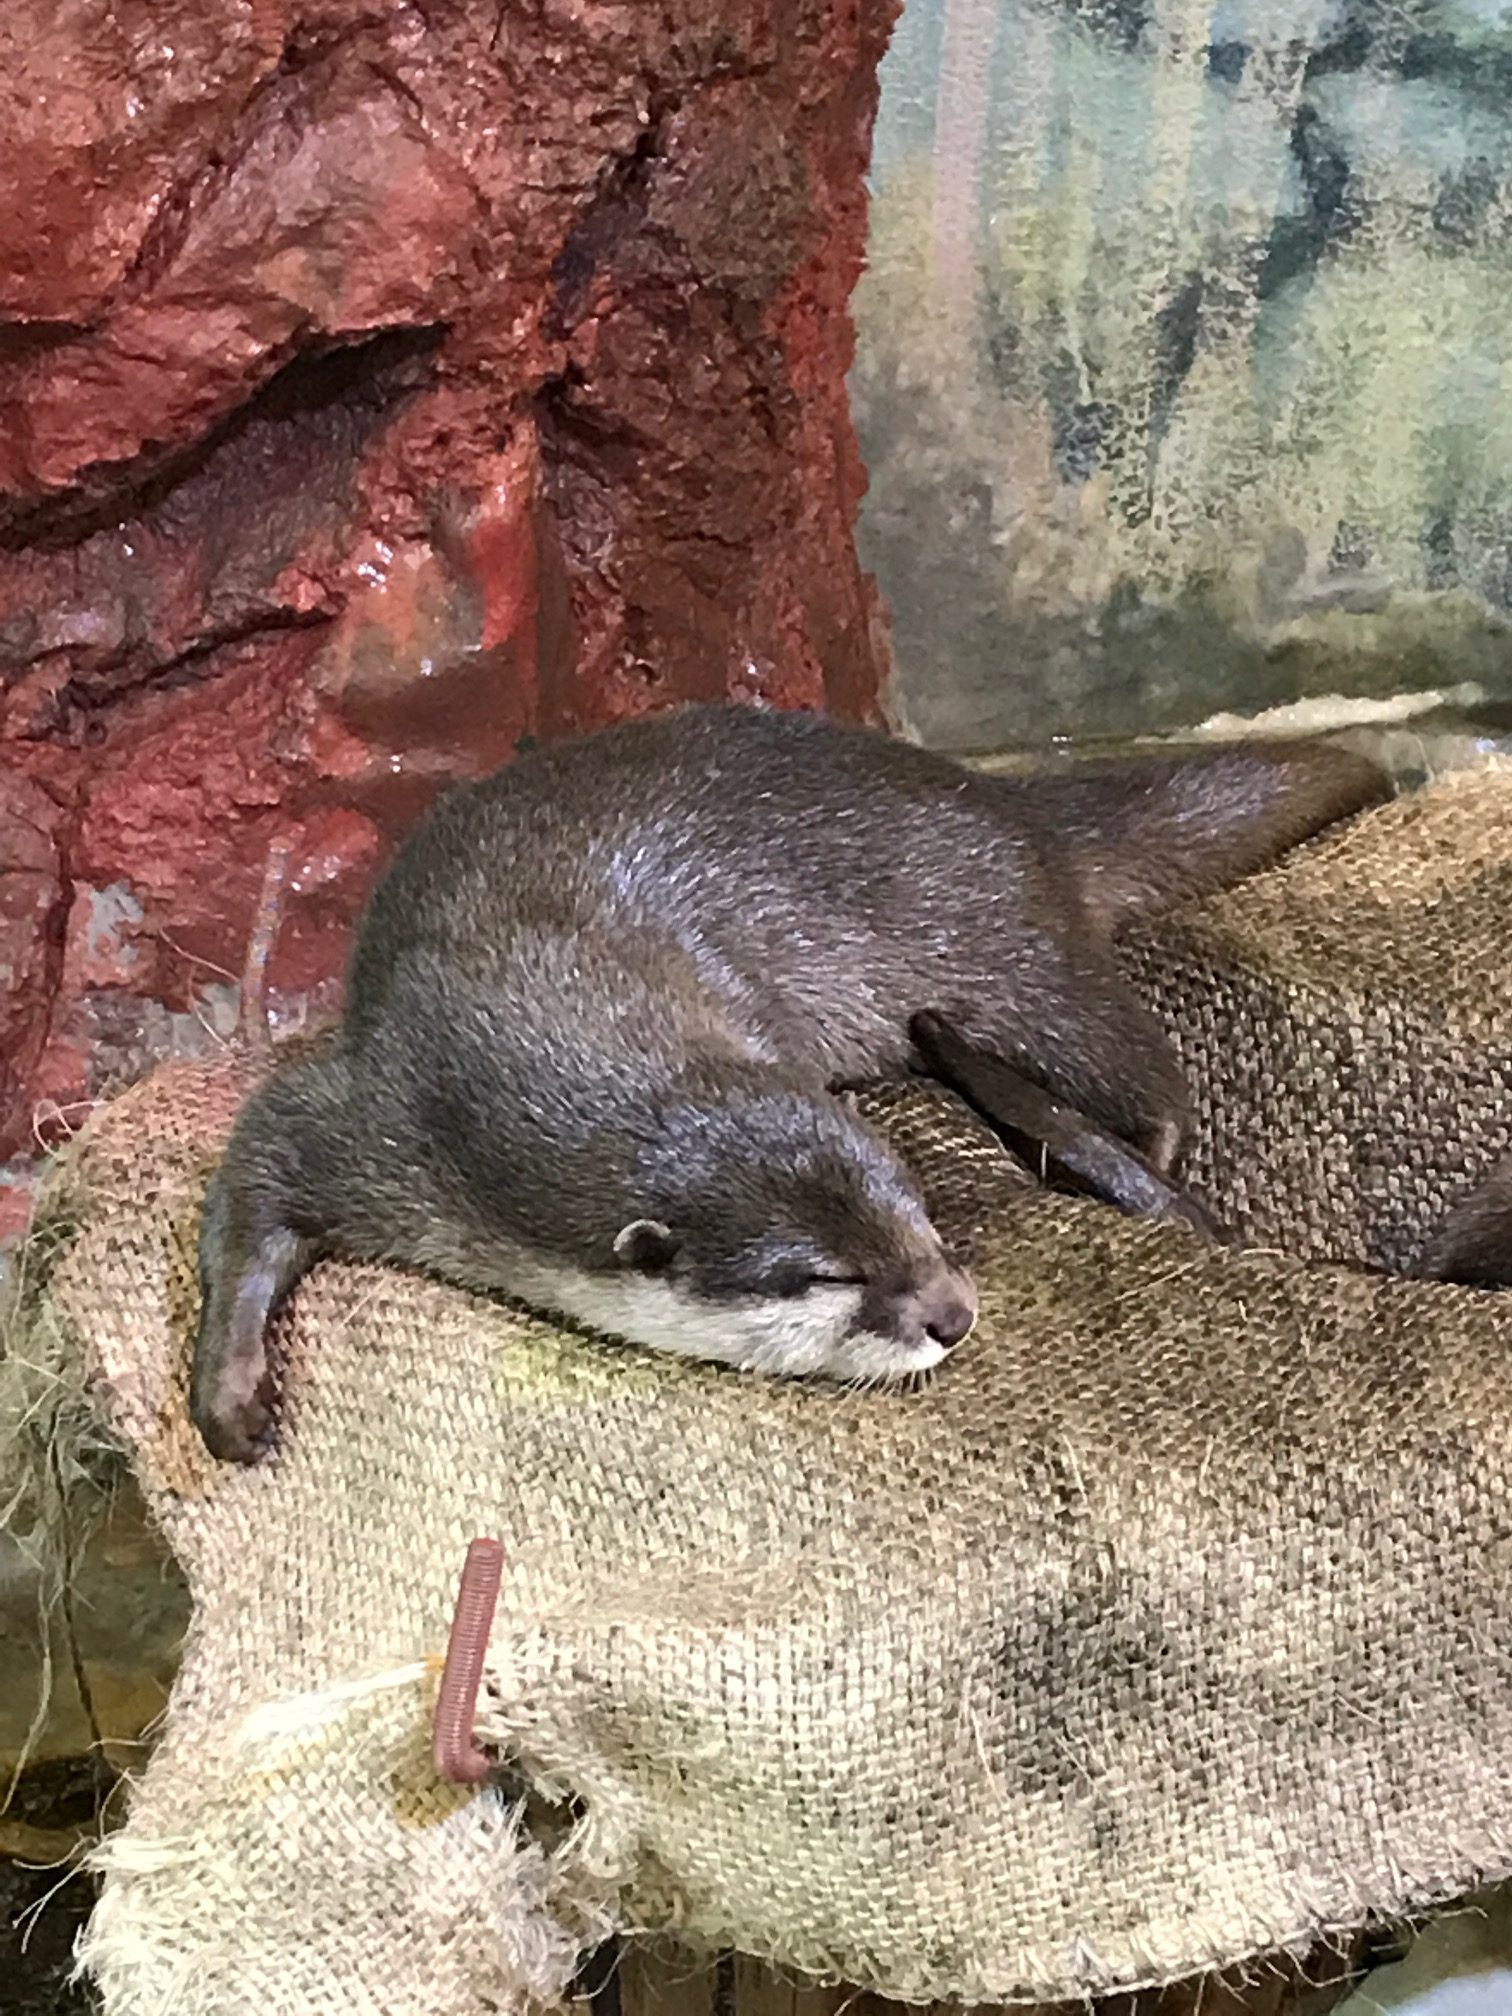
(949, 1314)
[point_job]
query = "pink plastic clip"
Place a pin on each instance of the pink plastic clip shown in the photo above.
(453, 1743)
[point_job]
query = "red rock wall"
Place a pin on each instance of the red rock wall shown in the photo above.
(381, 383)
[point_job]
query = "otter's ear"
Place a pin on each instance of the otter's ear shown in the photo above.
(646, 1246)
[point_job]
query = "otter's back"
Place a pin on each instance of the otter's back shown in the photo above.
(750, 835)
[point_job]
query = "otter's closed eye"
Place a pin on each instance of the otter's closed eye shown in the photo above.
(798, 1281)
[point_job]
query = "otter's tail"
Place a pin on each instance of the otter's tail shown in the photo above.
(1145, 834)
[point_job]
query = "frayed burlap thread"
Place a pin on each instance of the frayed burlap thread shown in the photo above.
(1166, 1627)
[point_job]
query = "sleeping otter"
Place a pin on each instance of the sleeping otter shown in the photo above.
(600, 1004)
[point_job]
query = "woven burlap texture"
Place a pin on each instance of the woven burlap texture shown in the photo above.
(1167, 1626)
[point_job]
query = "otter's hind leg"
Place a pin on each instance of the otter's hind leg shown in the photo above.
(260, 1230)
(1073, 1145)
(1114, 1111)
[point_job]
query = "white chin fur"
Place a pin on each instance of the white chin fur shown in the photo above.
(878, 1358)
(788, 1337)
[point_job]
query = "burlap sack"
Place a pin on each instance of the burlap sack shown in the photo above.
(1167, 1626)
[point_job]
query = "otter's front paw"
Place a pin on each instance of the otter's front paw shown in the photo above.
(236, 1420)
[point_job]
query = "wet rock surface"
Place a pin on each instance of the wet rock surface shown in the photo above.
(379, 386)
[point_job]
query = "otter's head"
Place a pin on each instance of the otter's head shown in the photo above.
(777, 1233)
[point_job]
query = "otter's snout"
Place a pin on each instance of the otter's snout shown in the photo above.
(939, 1311)
(951, 1322)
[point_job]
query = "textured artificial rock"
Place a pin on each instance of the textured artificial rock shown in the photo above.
(381, 384)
